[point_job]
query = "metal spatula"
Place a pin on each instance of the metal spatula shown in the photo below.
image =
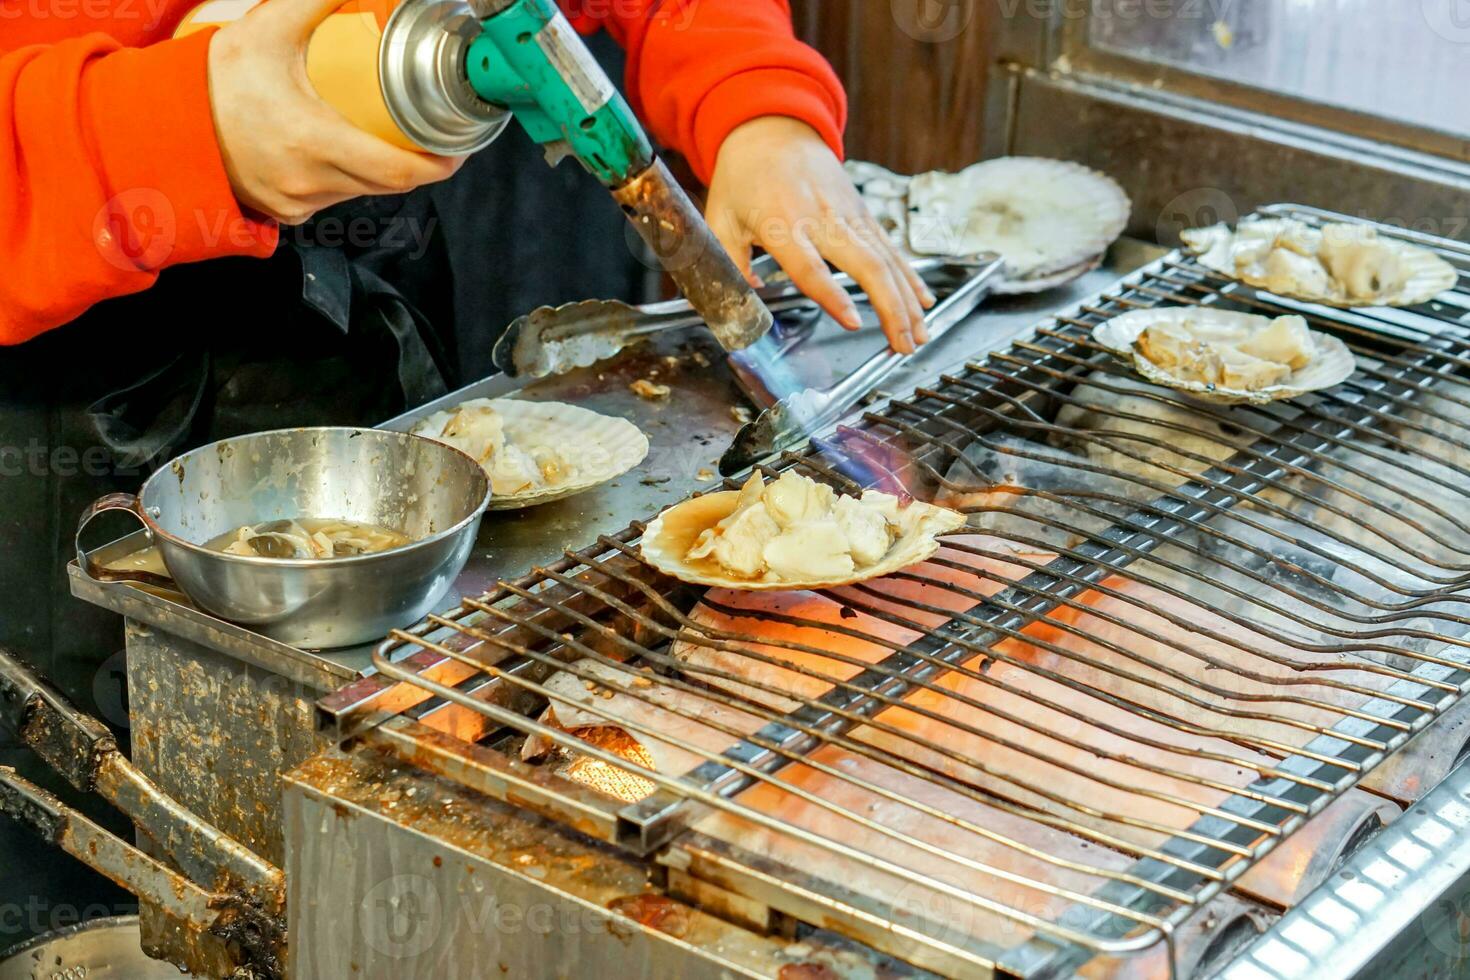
(808, 412)
(554, 340)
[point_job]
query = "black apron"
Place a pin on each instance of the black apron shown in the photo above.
(315, 335)
(372, 307)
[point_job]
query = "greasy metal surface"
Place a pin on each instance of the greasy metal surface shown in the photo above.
(397, 875)
(687, 432)
(1408, 642)
(101, 949)
(68, 740)
(208, 932)
(689, 252)
(83, 751)
(1395, 909)
(803, 413)
(215, 734)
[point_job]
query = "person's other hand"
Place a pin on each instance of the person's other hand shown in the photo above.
(778, 185)
(288, 153)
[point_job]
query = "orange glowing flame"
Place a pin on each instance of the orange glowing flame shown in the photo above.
(605, 777)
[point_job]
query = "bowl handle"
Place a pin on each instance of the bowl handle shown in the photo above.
(116, 501)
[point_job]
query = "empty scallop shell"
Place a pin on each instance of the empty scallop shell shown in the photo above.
(1044, 216)
(599, 447)
(1041, 283)
(1428, 275)
(668, 539)
(1332, 363)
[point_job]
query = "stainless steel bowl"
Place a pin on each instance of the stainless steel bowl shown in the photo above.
(429, 491)
(102, 949)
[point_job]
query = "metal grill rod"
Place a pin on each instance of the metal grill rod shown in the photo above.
(1234, 420)
(571, 742)
(1132, 523)
(875, 753)
(893, 702)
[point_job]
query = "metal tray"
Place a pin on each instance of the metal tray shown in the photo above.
(687, 433)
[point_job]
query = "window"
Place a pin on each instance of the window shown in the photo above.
(1407, 61)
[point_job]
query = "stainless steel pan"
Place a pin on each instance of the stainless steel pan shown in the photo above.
(431, 492)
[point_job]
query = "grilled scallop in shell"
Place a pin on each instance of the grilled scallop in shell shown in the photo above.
(792, 533)
(1338, 265)
(1223, 356)
(537, 452)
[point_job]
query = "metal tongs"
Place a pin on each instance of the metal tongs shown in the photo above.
(808, 412)
(555, 340)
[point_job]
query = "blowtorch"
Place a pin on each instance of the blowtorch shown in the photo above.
(450, 75)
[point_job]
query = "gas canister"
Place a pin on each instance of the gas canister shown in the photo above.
(394, 68)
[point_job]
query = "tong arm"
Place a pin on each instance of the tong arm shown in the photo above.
(226, 890)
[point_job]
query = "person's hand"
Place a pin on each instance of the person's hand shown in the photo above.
(287, 153)
(778, 185)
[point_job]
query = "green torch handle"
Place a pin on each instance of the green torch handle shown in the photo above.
(529, 59)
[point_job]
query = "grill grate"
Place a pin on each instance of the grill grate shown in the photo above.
(1176, 635)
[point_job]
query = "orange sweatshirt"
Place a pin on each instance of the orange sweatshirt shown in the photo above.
(109, 169)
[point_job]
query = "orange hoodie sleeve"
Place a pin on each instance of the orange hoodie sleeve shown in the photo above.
(109, 172)
(699, 68)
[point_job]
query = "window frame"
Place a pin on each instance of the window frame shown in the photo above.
(1070, 50)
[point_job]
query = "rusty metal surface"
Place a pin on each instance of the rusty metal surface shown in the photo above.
(68, 740)
(689, 252)
(430, 880)
(217, 896)
(687, 432)
(205, 932)
(215, 733)
(82, 750)
(1295, 717)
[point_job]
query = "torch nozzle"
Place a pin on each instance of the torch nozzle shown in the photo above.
(686, 248)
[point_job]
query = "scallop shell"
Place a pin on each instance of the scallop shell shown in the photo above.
(668, 539)
(1332, 364)
(1428, 274)
(1040, 284)
(600, 447)
(887, 196)
(1070, 213)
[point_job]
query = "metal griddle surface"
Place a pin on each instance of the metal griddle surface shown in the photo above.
(687, 433)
